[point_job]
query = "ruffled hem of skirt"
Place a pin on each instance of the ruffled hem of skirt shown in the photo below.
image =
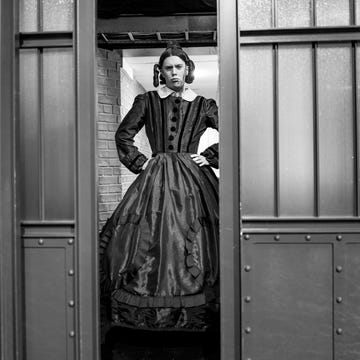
(198, 318)
(122, 296)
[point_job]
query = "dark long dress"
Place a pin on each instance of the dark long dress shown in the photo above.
(159, 250)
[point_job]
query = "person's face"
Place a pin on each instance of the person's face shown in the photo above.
(174, 72)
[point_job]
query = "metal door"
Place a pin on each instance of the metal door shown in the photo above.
(49, 135)
(299, 151)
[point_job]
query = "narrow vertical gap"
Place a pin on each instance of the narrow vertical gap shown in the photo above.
(352, 7)
(274, 14)
(41, 134)
(276, 128)
(313, 13)
(356, 130)
(40, 15)
(316, 130)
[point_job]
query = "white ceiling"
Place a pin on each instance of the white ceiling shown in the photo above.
(139, 64)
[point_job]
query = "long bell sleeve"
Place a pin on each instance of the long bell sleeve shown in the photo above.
(132, 123)
(212, 152)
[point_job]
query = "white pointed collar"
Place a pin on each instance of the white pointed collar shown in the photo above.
(187, 94)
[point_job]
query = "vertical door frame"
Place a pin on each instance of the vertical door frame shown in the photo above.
(230, 226)
(86, 189)
(10, 270)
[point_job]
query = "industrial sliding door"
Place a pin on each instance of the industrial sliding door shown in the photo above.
(55, 178)
(299, 146)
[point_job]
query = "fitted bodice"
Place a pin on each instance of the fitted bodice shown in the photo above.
(176, 125)
(172, 125)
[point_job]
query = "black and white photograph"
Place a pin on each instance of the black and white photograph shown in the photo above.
(180, 180)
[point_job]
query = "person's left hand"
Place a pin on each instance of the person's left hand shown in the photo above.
(199, 159)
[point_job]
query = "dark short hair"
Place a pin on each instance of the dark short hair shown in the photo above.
(173, 50)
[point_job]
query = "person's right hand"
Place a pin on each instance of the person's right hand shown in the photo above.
(145, 164)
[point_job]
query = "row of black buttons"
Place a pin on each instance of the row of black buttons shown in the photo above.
(173, 128)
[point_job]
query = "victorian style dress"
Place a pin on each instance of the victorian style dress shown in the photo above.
(159, 263)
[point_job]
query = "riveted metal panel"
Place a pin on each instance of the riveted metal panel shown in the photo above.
(287, 297)
(301, 295)
(348, 309)
(49, 298)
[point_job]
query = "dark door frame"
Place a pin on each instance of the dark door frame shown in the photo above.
(230, 226)
(87, 293)
(10, 306)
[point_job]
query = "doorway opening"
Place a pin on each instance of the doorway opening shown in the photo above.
(128, 48)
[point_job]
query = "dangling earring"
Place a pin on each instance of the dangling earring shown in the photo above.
(156, 75)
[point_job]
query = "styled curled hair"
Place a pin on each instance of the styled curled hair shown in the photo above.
(173, 50)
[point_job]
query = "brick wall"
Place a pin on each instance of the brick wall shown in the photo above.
(129, 89)
(116, 92)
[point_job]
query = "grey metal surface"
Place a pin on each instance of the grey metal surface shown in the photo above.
(295, 130)
(29, 135)
(301, 295)
(58, 133)
(299, 147)
(348, 310)
(336, 131)
(49, 298)
(291, 309)
(56, 39)
(257, 131)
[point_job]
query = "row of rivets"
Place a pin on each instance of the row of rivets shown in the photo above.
(71, 273)
(339, 299)
(42, 242)
(339, 331)
(307, 237)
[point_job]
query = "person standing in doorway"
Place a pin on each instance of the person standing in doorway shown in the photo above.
(159, 251)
